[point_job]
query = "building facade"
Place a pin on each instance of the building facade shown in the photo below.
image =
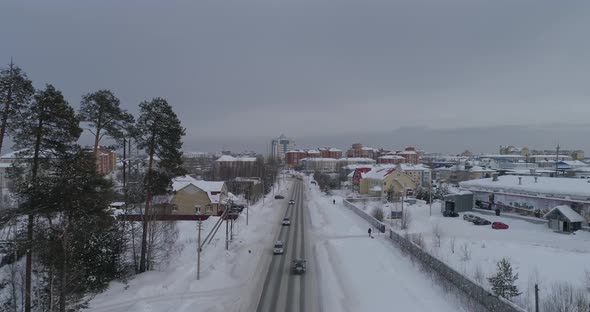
(280, 146)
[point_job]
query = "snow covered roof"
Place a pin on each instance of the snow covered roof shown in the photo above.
(117, 204)
(410, 167)
(209, 187)
(573, 163)
(480, 169)
(229, 158)
(376, 188)
(567, 212)
(391, 157)
(334, 150)
(407, 153)
(564, 188)
(313, 152)
(379, 173)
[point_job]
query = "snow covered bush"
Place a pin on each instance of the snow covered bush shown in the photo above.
(503, 282)
(437, 234)
(377, 213)
(478, 274)
(465, 252)
(564, 297)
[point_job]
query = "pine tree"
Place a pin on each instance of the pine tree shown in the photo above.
(503, 283)
(102, 111)
(48, 127)
(79, 254)
(159, 133)
(16, 91)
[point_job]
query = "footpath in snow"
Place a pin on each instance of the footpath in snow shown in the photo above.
(357, 273)
(227, 280)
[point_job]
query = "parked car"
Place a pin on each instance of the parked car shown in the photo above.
(299, 266)
(286, 221)
(238, 208)
(279, 197)
(291, 202)
(450, 213)
(278, 248)
(481, 221)
(313, 182)
(499, 226)
(469, 217)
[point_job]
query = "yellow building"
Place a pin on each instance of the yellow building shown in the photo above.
(386, 181)
(188, 193)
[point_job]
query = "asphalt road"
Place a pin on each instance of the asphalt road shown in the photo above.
(283, 290)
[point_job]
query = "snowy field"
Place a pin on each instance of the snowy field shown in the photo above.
(537, 254)
(227, 277)
(357, 273)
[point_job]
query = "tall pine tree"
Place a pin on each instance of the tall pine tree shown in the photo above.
(103, 112)
(84, 244)
(503, 282)
(159, 133)
(16, 91)
(48, 127)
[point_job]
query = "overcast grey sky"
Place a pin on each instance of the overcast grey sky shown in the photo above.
(240, 72)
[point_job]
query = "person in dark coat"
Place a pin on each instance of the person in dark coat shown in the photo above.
(334, 201)
(369, 232)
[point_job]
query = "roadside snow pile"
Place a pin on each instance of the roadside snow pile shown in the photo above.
(536, 253)
(226, 277)
(362, 274)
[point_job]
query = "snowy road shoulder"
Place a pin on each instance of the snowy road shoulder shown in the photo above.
(358, 273)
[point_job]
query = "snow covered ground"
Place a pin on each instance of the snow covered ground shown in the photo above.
(227, 278)
(357, 273)
(537, 254)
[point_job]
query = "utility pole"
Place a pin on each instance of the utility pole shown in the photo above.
(226, 232)
(124, 163)
(248, 202)
(430, 193)
(536, 298)
(556, 161)
(199, 225)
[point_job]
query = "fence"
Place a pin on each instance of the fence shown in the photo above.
(376, 223)
(475, 291)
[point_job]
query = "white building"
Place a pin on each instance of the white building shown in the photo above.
(528, 194)
(280, 146)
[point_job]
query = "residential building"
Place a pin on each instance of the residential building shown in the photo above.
(410, 155)
(330, 152)
(391, 159)
(563, 218)
(530, 194)
(6, 187)
(294, 156)
(359, 151)
(188, 194)
(420, 174)
(106, 161)
(228, 167)
(198, 163)
(332, 165)
(386, 181)
(280, 146)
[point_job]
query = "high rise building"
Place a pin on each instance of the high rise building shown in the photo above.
(280, 146)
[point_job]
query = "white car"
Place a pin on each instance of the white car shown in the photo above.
(278, 248)
(469, 217)
(286, 221)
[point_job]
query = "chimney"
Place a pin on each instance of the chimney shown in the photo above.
(494, 177)
(536, 178)
(519, 180)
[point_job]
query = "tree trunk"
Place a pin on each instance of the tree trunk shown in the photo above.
(63, 271)
(148, 199)
(6, 111)
(29, 257)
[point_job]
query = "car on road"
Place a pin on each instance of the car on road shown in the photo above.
(299, 266)
(481, 221)
(469, 217)
(450, 213)
(499, 226)
(286, 221)
(291, 202)
(279, 248)
(313, 182)
(279, 197)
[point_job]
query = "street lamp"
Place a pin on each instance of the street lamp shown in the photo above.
(199, 226)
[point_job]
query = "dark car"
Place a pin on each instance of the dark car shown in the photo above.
(291, 202)
(499, 226)
(481, 221)
(469, 217)
(279, 197)
(450, 213)
(298, 266)
(237, 208)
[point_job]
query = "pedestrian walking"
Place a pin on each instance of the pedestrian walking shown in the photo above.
(369, 232)
(334, 201)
